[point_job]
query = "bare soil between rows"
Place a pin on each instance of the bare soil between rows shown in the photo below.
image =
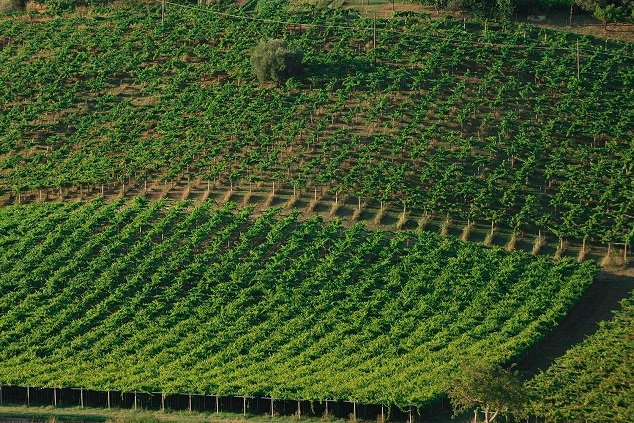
(598, 303)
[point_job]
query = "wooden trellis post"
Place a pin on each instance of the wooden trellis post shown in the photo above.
(374, 32)
(578, 66)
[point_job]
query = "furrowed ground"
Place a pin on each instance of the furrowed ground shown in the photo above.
(484, 128)
(137, 295)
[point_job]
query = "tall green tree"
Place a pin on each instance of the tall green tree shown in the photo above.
(486, 387)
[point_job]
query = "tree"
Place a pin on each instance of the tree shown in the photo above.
(591, 5)
(273, 60)
(609, 14)
(481, 385)
(505, 10)
(10, 6)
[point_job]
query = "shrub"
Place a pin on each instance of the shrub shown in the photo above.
(609, 14)
(273, 60)
(10, 6)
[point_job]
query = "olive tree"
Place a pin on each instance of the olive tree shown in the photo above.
(274, 60)
(489, 388)
(10, 6)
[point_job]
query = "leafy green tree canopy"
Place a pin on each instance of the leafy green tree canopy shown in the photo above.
(10, 6)
(489, 388)
(274, 61)
(609, 14)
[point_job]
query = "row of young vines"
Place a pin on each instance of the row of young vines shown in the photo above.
(593, 379)
(478, 123)
(143, 296)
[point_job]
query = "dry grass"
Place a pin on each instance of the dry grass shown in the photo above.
(379, 216)
(446, 225)
(469, 227)
(423, 222)
(10, 6)
(186, 192)
(227, 197)
(333, 209)
(510, 246)
(166, 189)
(268, 200)
(615, 259)
(356, 215)
(312, 205)
(205, 196)
(51, 414)
(246, 199)
(488, 239)
(292, 201)
(402, 220)
(582, 254)
(563, 246)
(540, 241)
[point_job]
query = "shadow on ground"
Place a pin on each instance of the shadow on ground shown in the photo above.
(597, 304)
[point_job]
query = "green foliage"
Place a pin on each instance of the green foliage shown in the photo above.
(553, 4)
(271, 8)
(134, 419)
(615, 7)
(609, 14)
(143, 296)
(505, 9)
(489, 388)
(500, 9)
(595, 379)
(514, 137)
(274, 61)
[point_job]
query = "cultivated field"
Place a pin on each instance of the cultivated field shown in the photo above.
(430, 193)
(459, 125)
(145, 296)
